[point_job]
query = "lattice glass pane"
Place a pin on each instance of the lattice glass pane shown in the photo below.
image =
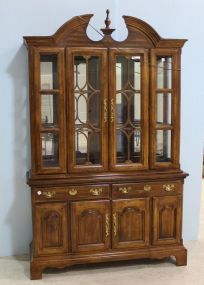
(87, 110)
(163, 145)
(48, 71)
(121, 108)
(121, 147)
(135, 108)
(164, 72)
(164, 108)
(128, 109)
(49, 116)
(50, 149)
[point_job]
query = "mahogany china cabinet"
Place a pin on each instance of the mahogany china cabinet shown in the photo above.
(105, 178)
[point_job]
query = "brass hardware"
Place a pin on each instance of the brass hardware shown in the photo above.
(124, 190)
(107, 225)
(39, 193)
(73, 192)
(105, 110)
(114, 224)
(147, 188)
(112, 111)
(96, 191)
(49, 194)
(168, 187)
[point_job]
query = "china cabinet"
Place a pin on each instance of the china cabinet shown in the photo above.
(105, 178)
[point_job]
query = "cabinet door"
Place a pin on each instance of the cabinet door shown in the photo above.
(128, 109)
(87, 109)
(167, 215)
(165, 108)
(90, 222)
(47, 112)
(50, 228)
(131, 226)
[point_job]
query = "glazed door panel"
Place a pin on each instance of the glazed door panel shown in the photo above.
(90, 222)
(167, 215)
(50, 228)
(165, 108)
(48, 112)
(130, 223)
(87, 109)
(128, 109)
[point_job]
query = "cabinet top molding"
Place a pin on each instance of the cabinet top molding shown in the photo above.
(73, 33)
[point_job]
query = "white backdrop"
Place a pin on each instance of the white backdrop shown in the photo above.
(170, 18)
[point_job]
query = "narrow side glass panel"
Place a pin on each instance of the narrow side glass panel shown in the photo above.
(50, 149)
(164, 103)
(48, 71)
(128, 109)
(164, 72)
(87, 110)
(49, 116)
(163, 146)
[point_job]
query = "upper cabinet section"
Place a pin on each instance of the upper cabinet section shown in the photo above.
(99, 106)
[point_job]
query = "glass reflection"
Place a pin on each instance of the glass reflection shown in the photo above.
(48, 71)
(164, 72)
(163, 145)
(128, 109)
(49, 110)
(164, 108)
(87, 110)
(50, 149)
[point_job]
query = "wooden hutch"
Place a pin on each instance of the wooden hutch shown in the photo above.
(105, 179)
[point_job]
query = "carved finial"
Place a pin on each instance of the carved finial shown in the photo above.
(107, 30)
(107, 20)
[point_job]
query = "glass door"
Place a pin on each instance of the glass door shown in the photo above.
(87, 87)
(49, 117)
(128, 109)
(165, 108)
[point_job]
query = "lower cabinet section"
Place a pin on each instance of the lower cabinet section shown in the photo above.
(50, 228)
(90, 225)
(131, 223)
(74, 225)
(167, 217)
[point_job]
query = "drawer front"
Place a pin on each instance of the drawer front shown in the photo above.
(129, 190)
(71, 192)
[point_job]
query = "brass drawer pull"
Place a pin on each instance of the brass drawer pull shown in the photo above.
(49, 194)
(73, 192)
(107, 225)
(147, 188)
(168, 187)
(96, 191)
(124, 190)
(114, 224)
(105, 110)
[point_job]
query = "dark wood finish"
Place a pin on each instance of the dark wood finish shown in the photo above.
(50, 228)
(90, 223)
(108, 211)
(167, 213)
(131, 223)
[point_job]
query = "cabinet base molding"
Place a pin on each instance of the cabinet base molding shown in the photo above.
(39, 264)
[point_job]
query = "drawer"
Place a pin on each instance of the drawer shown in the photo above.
(71, 192)
(146, 189)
